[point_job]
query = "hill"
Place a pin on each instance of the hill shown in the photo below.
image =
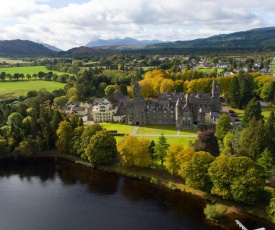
(256, 38)
(83, 52)
(23, 48)
(125, 43)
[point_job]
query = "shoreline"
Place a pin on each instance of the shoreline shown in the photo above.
(161, 178)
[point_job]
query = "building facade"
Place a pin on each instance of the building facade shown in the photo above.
(185, 112)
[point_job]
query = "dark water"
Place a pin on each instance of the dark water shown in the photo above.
(38, 196)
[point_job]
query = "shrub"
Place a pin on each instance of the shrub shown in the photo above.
(214, 211)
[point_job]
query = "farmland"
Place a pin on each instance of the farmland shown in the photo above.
(28, 70)
(14, 89)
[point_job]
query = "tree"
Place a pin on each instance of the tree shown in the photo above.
(183, 158)
(123, 89)
(233, 97)
(271, 209)
(271, 92)
(207, 142)
(109, 90)
(265, 161)
(223, 126)
(161, 149)
(196, 174)
(236, 178)
(253, 139)
(87, 134)
(134, 152)
(64, 136)
(60, 101)
(102, 148)
(253, 109)
(246, 91)
(172, 165)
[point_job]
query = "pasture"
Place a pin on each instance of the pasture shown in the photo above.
(10, 89)
(12, 61)
(28, 70)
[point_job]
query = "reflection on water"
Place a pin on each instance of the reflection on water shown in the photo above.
(42, 195)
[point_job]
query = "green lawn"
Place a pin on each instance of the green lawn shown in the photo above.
(172, 140)
(27, 70)
(20, 88)
(121, 128)
(157, 129)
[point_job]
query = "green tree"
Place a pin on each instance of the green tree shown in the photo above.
(265, 161)
(123, 89)
(253, 139)
(102, 148)
(271, 209)
(223, 126)
(253, 109)
(236, 178)
(246, 92)
(233, 97)
(271, 92)
(197, 171)
(109, 90)
(161, 149)
(85, 138)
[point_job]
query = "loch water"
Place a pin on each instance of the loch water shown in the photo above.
(43, 194)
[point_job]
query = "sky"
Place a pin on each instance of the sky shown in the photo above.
(73, 23)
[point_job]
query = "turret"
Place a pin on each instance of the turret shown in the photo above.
(215, 94)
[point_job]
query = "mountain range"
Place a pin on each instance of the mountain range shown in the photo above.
(256, 39)
(125, 43)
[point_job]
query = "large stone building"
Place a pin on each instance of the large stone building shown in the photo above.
(185, 112)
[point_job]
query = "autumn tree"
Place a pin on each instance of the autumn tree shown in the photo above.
(134, 152)
(172, 163)
(183, 157)
(64, 136)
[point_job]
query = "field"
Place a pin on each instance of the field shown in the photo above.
(12, 61)
(18, 88)
(219, 70)
(153, 132)
(28, 70)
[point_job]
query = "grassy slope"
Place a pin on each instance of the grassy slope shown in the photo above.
(17, 88)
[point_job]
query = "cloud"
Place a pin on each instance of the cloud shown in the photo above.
(77, 24)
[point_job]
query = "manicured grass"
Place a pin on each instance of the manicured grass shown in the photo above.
(188, 131)
(157, 129)
(20, 88)
(28, 70)
(171, 140)
(121, 128)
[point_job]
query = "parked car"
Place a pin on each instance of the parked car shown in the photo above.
(231, 111)
(233, 115)
(238, 123)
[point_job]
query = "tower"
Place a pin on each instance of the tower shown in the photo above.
(215, 96)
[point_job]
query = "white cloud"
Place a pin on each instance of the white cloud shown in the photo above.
(77, 24)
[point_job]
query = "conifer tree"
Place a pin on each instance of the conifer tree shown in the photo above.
(253, 109)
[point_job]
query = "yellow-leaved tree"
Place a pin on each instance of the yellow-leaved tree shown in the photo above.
(134, 152)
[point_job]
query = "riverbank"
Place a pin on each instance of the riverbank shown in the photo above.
(163, 178)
